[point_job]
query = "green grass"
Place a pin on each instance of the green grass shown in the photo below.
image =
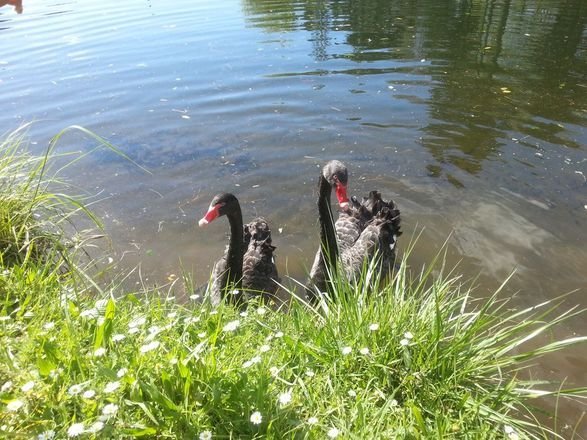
(419, 358)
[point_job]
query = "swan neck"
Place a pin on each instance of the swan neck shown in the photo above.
(235, 248)
(327, 230)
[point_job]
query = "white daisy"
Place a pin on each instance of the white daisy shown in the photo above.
(404, 342)
(149, 347)
(75, 389)
(256, 418)
(14, 405)
(261, 311)
(88, 394)
(110, 410)
(511, 432)
(154, 329)
(47, 435)
(408, 335)
(27, 386)
(118, 337)
(333, 433)
(99, 352)
(89, 314)
(133, 330)
(111, 387)
(312, 420)
(205, 435)
(194, 297)
(374, 327)
(284, 398)
(264, 348)
(137, 322)
(121, 372)
(76, 429)
(49, 325)
(346, 350)
(231, 326)
(279, 335)
(96, 427)
(274, 371)
(7, 386)
(364, 351)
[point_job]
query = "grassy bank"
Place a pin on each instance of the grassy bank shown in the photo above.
(418, 358)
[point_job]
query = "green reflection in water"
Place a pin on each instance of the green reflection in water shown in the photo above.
(493, 73)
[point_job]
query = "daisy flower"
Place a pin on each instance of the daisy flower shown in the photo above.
(346, 350)
(118, 337)
(47, 435)
(374, 327)
(96, 427)
(14, 405)
(75, 389)
(205, 435)
(284, 398)
(256, 418)
(88, 394)
(149, 347)
(110, 410)
(27, 386)
(76, 429)
(111, 387)
(333, 433)
(99, 352)
(231, 326)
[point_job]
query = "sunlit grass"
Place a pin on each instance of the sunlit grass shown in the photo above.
(417, 358)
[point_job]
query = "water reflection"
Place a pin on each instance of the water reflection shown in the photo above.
(16, 3)
(495, 72)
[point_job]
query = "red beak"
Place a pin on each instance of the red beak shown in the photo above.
(210, 216)
(343, 200)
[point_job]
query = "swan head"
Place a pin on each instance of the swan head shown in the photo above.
(336, 173)
(222, 204)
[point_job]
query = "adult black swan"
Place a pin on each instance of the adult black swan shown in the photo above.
(248, 266)
(362, 231)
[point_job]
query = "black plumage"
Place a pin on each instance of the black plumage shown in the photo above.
(248, 265)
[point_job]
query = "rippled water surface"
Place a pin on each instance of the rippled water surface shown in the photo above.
(470, 114)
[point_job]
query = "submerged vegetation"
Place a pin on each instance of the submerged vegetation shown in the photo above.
(418, 357)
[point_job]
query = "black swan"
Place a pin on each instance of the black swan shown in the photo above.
(248, 266)
(362, 230)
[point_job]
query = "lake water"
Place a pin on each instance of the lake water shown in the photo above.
(471, 115)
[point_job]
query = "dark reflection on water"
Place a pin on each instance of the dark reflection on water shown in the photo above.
(491, 68)
(470, 114)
